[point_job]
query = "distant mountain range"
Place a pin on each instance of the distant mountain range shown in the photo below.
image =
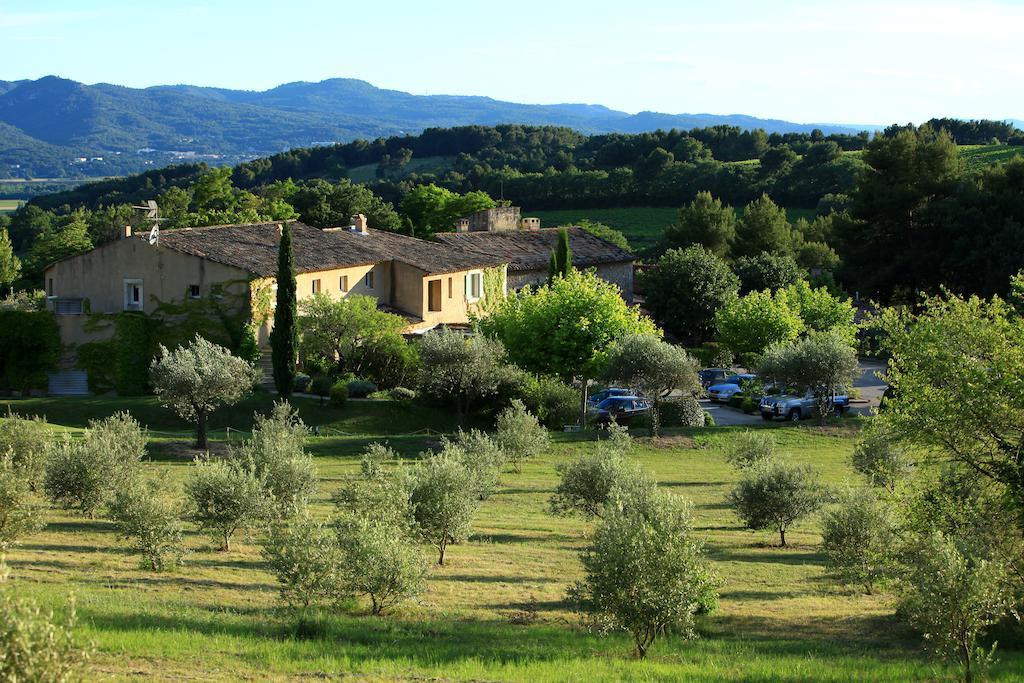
(55, 127)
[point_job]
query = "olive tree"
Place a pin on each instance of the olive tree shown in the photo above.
(952, 598)
(83, 473)
(443, 499)
(35, 645)
(881, 458)
(520, 435)
(225, 497)
(587, 483)
(27, 440)
(481, 455)
(20, 512)
(195, 380)
(824, 364)
(276, 453)
(304, 557)
(653, 367)
(644, 573)
(381, 560)
(460, 368)
(857, 536)
(775, 495)
(150, 517)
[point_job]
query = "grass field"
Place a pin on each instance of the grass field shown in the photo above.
(218, 617)
(8, 205)
(979, 156)
(643, 226)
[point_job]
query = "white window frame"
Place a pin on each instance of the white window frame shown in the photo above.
(343, 284)
(130, 305)
(476, 276)
(368, 279)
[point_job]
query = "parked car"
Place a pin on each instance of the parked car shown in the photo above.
(623, 409)
(709, 376)
(795, 406)
(729, 387)
(599, 396)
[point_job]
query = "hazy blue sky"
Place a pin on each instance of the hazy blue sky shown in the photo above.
(822, 61)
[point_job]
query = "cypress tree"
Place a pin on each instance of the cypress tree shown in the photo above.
(561, 257)
(284, 338)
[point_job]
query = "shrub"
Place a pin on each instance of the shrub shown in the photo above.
(20, 512)
(461, 370)
(151, 519)
(381, 560)
(304, 557)
(750, 448)
(644, 572)
(226, 497)
(27, 440)
(775, 495)
(520, 435)
(301, 383)
(35, 646)
(339, 394)
(321, 386)
(402, 394)
(276, 454)
(29, 348)
(443, 499)
(683, 411)
(857, 537)
(359, 388)
(375, 490)
(83, 473)
(481, 455)
(709, 419)
(554, 402)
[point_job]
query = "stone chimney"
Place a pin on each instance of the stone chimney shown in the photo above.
(127, 232)
(462, 225)
(530, 223)
(359, 224)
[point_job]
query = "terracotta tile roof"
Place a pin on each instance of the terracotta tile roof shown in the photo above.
(531, 249)
(253, 248)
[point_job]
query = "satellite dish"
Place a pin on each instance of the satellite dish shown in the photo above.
(154, 235)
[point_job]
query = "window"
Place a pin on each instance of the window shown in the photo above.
(49, 286)
(368, 280)
(67, 307)
(193, 291)
(434, 295)
(316, 286)
(133, 295)
(449, 288)
(474, 286)
(343, 283)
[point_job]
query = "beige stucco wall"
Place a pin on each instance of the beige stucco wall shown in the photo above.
(98, 277)
(330, 283)
(412, 293)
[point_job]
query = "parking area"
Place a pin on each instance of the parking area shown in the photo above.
(867, 383)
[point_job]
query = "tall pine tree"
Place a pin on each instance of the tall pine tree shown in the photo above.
(284, 338)
(561, 257)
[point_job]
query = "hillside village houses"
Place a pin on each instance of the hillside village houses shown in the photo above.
(429, 283)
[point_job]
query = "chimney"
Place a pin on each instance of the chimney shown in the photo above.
(359, 224)
(462, 225)
(530, 223)
(127, 232)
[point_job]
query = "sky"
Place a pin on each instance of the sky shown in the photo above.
(810, 62)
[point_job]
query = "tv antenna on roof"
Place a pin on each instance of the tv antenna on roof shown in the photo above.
(152, 214)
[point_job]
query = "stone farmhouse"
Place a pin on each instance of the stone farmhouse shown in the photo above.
(429, 283)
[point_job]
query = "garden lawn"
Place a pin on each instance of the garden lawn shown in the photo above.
(218, 617)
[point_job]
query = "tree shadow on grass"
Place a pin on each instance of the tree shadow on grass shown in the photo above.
(67, 548)
(81, 525)
(489, 578)
(774, 555)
